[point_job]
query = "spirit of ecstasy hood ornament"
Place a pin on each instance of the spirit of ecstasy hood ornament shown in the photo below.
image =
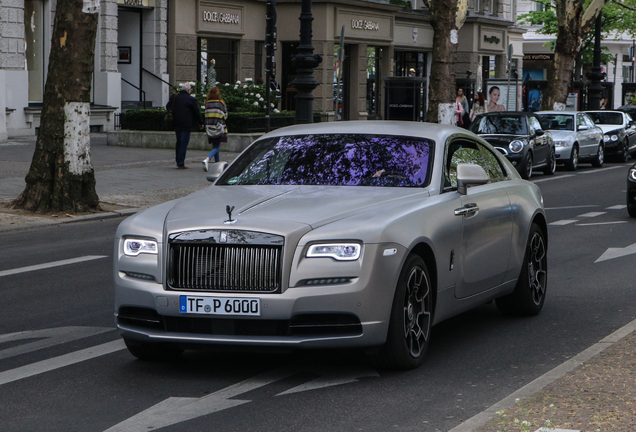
(229, 220)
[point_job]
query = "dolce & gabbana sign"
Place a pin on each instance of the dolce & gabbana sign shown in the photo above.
(363, 25)
(216, 17)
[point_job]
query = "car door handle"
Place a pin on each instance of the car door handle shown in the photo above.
(467, 210)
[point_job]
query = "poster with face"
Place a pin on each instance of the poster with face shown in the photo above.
(498, 99)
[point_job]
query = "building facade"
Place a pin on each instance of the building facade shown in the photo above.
(144, 47)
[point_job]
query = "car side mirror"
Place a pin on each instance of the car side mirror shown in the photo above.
(540, 132)
(581, 128)
(632, 123)
(215, 171)
(469, 175)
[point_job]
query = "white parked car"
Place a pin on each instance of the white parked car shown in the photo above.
(576, 137)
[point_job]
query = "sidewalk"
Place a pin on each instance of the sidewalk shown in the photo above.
(127, 178)
(594, 391)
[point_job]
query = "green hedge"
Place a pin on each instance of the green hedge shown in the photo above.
(152, 120)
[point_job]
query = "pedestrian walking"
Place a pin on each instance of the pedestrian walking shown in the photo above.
(463, 101)
(479, 105)
(216, 129)
(187, 117)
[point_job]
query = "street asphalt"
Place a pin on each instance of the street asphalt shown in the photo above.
(593, 391)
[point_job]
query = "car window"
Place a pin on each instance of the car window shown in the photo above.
(534, 123)
(556, 121)
(464, 151)
(500, 124)
(334, 160)
(609, 118)
(580, 121)
(589, 121)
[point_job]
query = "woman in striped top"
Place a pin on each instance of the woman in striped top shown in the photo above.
(215, 112)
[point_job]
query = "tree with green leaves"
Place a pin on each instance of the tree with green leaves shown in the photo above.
(572, 21)
(61, 177)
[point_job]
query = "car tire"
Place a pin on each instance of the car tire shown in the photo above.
(153, 351)
(573, 163)
(529, 294)
(624, 157)
(411, 318)
(598, 160)
(550, 168)
(526, 168)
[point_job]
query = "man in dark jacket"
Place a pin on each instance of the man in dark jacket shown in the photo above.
(187, 117)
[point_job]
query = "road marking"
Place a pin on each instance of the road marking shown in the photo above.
(179, 409)
(563, 222)
(591, 214)
(617, 207)
(601, 170)
(612, 253)
(571, 207)
(54, 336)
(552, 178)
(61, 361)
(601, 223)
(51, 264)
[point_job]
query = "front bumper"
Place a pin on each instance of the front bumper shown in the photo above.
(354, 314)
(563, 153)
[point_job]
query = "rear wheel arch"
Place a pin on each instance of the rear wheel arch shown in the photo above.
(541, 221)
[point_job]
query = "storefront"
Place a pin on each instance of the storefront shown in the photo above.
(224, 41)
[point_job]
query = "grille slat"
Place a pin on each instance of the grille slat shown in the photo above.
(245, 268)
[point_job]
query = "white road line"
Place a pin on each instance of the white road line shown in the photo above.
(61, 361)
(616, 207)
(552, 178)
(601, 170)
(51, 264)
(591, 214)
(602, 223)
(563, 222)
(571, 207)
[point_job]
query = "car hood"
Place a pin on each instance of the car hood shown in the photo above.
(281, 208)
(501, 140)
(609, 128)
(563, 135)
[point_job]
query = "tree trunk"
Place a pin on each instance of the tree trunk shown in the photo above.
(441, 88)
(61, 177)
(569, 15)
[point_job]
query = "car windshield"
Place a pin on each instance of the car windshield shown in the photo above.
(334, 160)
(508, 125)
(556, 121)
(608, 118)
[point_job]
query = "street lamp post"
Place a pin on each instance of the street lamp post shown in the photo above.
(305, 62)
(597, 74)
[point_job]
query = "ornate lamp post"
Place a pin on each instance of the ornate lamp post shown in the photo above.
(305, 62)
(597, 74)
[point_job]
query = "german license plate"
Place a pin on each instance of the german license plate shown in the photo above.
(220, 305)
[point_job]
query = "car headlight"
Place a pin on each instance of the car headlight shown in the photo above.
(561, 143)
(632, 174)
(516, 146)
(134, 247)
(337, 251)
(608, 138)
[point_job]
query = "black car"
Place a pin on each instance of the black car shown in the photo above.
(619, 132)
(519, 136)
(631, 191)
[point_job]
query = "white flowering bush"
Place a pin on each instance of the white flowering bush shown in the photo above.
(239, 97)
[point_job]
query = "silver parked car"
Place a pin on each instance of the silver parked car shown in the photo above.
(575, 136)
(619, 132)
(347, 234)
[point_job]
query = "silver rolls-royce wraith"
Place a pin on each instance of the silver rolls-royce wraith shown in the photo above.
(346, 234)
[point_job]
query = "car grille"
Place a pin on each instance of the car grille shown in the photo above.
(201, 263)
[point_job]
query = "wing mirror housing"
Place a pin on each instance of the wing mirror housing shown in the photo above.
(540, 132)
(581, 128)
(469, 175)
(216, 169)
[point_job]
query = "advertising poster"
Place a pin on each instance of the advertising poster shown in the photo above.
(502, 97)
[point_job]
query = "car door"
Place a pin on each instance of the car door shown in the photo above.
(583, 136)
(540, 145)
(483, 258)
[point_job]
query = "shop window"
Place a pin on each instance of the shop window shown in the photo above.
(34, 47)
(410, 64)
(217, 60)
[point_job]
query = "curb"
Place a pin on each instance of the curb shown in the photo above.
(549, 377)
(47, 222)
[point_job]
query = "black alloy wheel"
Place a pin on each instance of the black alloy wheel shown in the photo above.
(529, 294)
(411, 318)
(550, 168)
